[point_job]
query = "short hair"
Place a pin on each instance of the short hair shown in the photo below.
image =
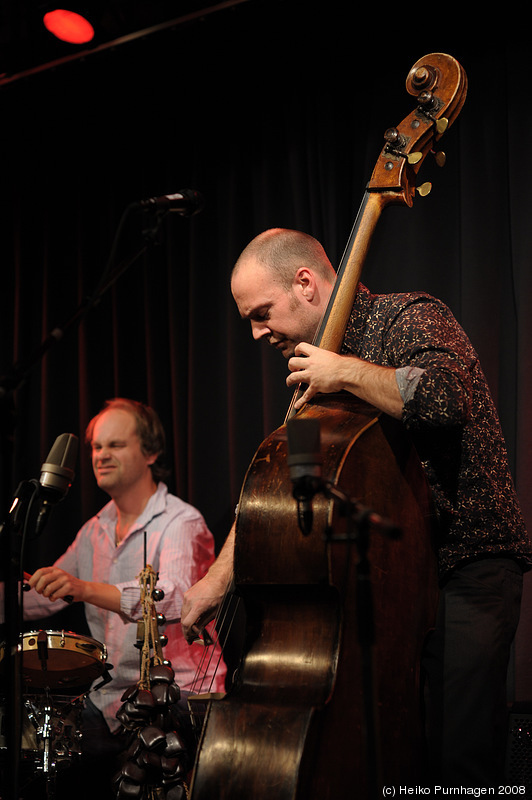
(149, 430)
(284, 251)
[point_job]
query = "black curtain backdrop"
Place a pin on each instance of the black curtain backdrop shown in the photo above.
(277, 118)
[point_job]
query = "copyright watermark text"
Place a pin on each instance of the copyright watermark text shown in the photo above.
(450, 791)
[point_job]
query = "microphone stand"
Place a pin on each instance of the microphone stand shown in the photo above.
(13, 531)
(21, 369)
(15, 522)
(361, 522)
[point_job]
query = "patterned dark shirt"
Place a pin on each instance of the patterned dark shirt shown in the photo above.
(452, 420)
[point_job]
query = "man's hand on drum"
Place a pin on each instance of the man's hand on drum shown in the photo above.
(55, 583)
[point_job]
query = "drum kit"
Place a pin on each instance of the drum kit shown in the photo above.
(58, 668)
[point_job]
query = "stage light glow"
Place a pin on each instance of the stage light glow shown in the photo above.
(68, 26)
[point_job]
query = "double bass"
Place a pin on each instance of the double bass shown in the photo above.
(327, 698)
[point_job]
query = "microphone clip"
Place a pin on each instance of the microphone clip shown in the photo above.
(304, 462)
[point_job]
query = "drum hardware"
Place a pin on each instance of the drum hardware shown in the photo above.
(52, 663)
(56, 724)
(50, 736)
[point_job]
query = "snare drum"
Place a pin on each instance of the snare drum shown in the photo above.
(60, 659)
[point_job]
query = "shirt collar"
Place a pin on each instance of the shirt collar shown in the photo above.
(155, 506)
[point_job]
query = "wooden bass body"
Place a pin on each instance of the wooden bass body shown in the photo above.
(314, 712)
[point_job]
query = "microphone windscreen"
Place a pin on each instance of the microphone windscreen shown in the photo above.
(57, 473)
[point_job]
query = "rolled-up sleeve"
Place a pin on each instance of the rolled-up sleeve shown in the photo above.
(181, 554)
(424, 335)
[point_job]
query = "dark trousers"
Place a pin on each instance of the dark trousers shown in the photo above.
(466, 666)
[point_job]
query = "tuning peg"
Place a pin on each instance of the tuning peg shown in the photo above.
(424, 189)
(440, 158)
(428, 107)
(393, 137)
(414, 158)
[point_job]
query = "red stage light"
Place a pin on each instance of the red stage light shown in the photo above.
(68, 26)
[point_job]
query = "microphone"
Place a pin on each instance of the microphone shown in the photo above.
(57, 474)
(304, 461)
(185, 202)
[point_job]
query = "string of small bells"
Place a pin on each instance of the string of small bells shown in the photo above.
(157, 760)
